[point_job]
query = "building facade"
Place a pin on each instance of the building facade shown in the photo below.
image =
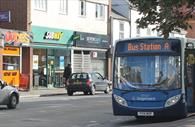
(15, 38)
(62, 32)
(68, 31)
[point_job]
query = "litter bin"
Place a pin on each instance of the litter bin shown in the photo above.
(24, 82)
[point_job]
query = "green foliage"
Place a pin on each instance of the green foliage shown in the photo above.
(166, 15)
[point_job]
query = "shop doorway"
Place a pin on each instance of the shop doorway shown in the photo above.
(48, 67)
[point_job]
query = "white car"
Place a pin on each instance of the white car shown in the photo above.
(8, 95)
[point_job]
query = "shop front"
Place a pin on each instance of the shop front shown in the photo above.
(12, 44)
(51, 53)
(90, 53)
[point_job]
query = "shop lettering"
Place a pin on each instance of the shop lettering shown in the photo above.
(7, 74)
(93, 39)
(10, 74)
(143, 46)
(16, 37)
(53, 35)
(10, 48)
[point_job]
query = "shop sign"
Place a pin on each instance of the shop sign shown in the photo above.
(91, 40)
(94, 54)
(35, 62)
(5, 16)
(8, 50)
(61, 62)
(53, 35)
(15, 38)
(11, 77)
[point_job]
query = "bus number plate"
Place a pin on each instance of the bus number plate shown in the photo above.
(145, 113)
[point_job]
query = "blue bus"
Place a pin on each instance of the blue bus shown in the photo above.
(153, 77)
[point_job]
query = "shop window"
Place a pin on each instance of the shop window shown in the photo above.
(11, 62)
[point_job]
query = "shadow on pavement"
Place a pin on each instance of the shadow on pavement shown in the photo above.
(141, 121)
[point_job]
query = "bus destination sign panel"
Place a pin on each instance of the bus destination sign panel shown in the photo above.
(148, 46)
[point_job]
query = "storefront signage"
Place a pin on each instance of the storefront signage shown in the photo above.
(5, 16)
(53, 35)
(61, 62)
(94, 54)
(8, 50)
(146, 46)
(11, 77)
(15, 38)
(35, 62)
(91, 40)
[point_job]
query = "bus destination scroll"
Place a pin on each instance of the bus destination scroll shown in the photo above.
(148, 47)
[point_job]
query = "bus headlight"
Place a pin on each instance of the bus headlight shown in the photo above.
(120, 100)
(171, 101)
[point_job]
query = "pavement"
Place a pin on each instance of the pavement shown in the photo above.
(41, 92)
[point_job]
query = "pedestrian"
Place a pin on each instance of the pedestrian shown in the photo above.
(67, 73)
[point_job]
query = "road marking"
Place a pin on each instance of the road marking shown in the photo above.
(93, 124)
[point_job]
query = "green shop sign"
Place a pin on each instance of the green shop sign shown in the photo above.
(51, 35)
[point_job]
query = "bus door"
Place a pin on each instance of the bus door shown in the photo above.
(190, 79)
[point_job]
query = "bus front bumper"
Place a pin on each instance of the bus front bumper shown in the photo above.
(176, 110)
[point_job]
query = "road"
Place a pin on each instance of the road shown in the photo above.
(76, 111)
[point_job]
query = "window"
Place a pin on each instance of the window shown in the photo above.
(82, 7)
(41, 4)
(63, 7)
(11, 62)
(100, 11)
(131, 72)
(121, 30)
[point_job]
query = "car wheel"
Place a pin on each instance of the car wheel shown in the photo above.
(92, 91)
(69, 92)
(107, 90)
(13, 101)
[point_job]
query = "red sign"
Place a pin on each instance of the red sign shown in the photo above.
(16, 38)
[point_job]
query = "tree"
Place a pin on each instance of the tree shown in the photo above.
(166, 15)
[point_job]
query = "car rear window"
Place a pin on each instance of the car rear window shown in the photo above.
(79, 76)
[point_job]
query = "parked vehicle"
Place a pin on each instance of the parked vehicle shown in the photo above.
(88, 83)
(8, 95)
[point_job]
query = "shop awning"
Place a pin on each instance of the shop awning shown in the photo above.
(53, 46)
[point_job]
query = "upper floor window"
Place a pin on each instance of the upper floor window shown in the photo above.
(63, 6)
(40, 4)
(100, 11)
(121, 30)
(82, 7)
